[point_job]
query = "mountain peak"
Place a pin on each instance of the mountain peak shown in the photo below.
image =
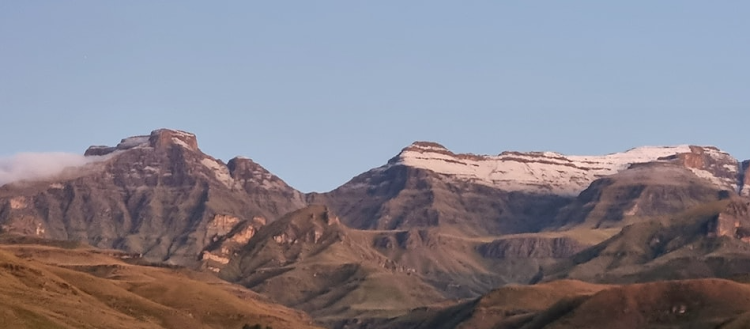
(421, 147)
(424, 150)
(158, 139)
(426, 145)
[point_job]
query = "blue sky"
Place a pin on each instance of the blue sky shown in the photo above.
(319, 91)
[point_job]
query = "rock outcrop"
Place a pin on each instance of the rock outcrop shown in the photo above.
(745, 178)
(733, 222)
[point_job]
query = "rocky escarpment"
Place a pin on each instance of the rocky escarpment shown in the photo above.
(708, 240)
(333, 269)
(732, 222)
(531, 247)
(156, 195)
(712, 164)
(298, 235)
(744, 178)
(644, 191)
(229, 234)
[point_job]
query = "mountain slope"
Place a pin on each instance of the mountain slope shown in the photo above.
(44, 286)
(402, 198)
(156, 195)
(509, 305)
(335, 271)
(636, 194)
(426, 185)
(343, 275)
(707, 303)
(706, 241)
(700, 303)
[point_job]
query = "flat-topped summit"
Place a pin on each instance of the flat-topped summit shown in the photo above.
(159, 139)
(430, 149)
(163, 138)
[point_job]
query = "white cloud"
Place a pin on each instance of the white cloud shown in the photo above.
(35, 166)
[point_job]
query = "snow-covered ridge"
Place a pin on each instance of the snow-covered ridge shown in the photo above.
(544, 172)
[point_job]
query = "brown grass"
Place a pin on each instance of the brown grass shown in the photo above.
(82, 288)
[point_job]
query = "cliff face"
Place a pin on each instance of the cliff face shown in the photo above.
(745, 178)
(157, 195)
(711, 164)
(733, 222)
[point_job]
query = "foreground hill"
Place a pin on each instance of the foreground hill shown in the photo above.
(707, 303)
(59, 285)
(701, 303)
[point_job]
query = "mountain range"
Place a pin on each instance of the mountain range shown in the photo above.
(428, 236)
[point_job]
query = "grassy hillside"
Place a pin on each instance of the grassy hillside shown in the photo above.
(705, 303)
(45, 286)
(340, 274)
(680, 246)
(569, 304)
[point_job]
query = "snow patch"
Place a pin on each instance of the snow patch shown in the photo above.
(221, 172)
(180, 142)
(713, 179)
(544, 172)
